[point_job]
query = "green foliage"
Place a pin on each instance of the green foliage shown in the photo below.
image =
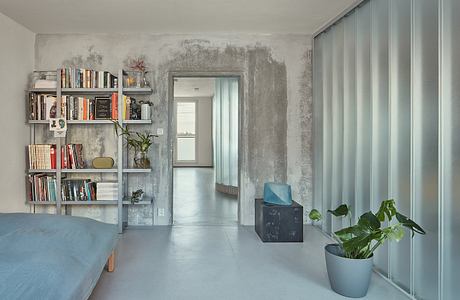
(315, 215)
(136, 140)
(136, 196)
(359, 241)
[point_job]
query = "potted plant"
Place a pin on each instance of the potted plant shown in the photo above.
(139, 142)
(136, 196)
(349, 262)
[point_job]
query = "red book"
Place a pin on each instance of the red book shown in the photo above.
(85, 109)
(114, 106)
(63, 158)
(53, 156)
(71, 164)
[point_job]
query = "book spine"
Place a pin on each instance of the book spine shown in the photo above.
(53, 156)
(114, 106)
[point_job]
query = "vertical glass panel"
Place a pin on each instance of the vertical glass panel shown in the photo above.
(425, 145)
(399, 172)
(349, 111)
(363, 112)
(186, 118)
(327, 129)
(380, 104)
(226, 131)
(450, 118)
(186, 149)
(337, 120)
(317, 122)
(185, 131)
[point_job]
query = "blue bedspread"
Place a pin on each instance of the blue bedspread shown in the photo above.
(52, 257)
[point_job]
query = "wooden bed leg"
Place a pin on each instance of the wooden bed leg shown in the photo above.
(111, 262)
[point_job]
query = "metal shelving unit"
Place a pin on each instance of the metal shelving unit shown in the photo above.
(119, 170)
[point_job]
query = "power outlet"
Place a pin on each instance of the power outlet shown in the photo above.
(161, 212)
(159, 131)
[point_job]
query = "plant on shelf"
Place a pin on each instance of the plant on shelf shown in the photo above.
(136, 196)
(352, 256)
(139, 142)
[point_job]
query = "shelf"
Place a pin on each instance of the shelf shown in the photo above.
(43, 90)
(88, 91)
(137, 122)
(92, 122)
(92, 202)
(89, 170)
(137, 91)
(137, 170)
(41, 170)
(42, 202)
(145, 201)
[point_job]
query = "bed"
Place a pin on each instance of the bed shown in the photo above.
(53, 257)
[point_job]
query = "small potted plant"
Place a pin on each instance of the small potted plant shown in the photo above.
(349, 262)
(136, 196)
(139, 142)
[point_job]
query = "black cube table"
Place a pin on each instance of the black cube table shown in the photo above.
(279, 223)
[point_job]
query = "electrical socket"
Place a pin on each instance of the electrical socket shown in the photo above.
(161, 212)
(159, 131)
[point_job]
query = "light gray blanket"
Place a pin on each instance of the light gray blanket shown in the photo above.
(52, 257)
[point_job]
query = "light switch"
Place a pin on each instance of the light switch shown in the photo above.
(159, 131)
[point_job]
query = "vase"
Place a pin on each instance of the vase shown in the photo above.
(141, 161)
(348, 277)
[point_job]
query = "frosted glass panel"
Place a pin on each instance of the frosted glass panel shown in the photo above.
(363, 110)
(425, 145)
(186, 149)
(337, 121)
(450, 131)
(327, 129)
(349, 111)
(186, 118)
(400, 131)
(380, 105)
(317, 123)
(226, 131)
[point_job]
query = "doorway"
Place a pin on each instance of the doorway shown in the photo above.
(205, 150)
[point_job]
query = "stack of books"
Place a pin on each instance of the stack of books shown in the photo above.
(42, 187)
(84, 78)
(72, 156)
(42, 106)
(107, 191)
(42, 156)
(78, 190)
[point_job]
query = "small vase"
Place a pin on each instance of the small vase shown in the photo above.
(141, 161)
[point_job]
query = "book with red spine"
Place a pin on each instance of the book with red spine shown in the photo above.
(114, 106)
(53, 156)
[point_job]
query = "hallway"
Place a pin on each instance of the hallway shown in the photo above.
(197, 203)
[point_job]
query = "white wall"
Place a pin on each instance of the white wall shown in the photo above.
(204, 131)
(17, 62)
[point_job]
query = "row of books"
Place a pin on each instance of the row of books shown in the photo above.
(43, 156)
(84, 78)
(43, 107)
(42, 187)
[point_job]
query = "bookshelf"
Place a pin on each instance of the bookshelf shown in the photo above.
(120, 170)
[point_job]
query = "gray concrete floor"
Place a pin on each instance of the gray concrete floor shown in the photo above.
(221, 262)
(196, 202)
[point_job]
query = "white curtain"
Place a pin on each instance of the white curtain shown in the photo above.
(225, 131)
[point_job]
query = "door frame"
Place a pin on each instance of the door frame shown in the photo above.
(172, 127)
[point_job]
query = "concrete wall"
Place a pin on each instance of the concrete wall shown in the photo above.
(204, 131)
(16, 63)
(276, 110)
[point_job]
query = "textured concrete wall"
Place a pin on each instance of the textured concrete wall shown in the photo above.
(276, 110)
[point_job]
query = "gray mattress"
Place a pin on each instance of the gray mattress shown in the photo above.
(52, 257)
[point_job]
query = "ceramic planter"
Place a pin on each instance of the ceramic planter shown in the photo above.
(348, 277)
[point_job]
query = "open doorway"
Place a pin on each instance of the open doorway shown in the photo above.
(205, 151)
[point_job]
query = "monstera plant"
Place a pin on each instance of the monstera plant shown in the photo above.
(353, 254)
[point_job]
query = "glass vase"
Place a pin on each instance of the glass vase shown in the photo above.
(141, 161)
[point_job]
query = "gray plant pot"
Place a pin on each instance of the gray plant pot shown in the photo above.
(348, 277)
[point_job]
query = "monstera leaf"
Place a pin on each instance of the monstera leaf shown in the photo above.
(362, 239)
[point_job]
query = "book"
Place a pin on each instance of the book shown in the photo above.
(41, 187)
(103, 108)
(85, 78)
(42, 156)
(72, 157)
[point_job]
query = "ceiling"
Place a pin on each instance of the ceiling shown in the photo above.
(187, 87)
(173, 16)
